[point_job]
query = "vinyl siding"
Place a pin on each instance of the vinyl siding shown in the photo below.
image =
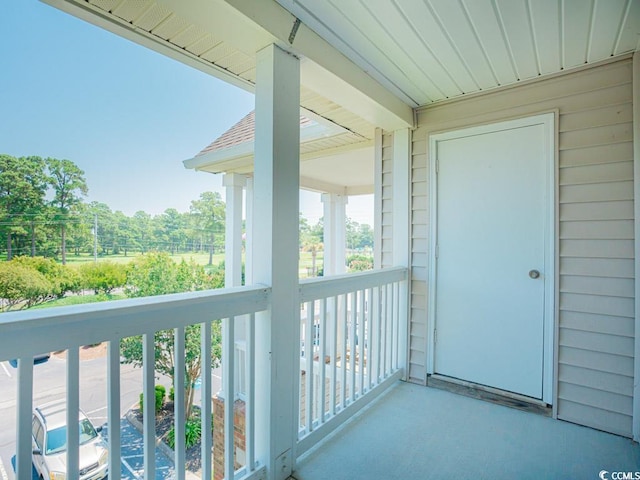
(595, 233)
(387, 200)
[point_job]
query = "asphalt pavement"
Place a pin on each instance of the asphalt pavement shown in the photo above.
(49, 385)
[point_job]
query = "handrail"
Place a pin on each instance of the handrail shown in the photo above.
(30, 332)
(353, 332)
(323, 287)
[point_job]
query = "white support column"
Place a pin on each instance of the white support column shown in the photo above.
(248, 229)
(401, 229)
(377, 199)
(234, 184)
(335, 233)
(276, 210)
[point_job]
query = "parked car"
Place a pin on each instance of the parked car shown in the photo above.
(49, 439)
(41, 357)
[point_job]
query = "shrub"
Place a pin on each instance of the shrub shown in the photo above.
(359, 263)
(192, 430)
(172, 394)
(21, 286)
(103, 277)
(160, 394)
(62, 278)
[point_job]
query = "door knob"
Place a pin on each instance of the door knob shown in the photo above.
(534, 274)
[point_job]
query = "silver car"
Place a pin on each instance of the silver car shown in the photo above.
(49, 437)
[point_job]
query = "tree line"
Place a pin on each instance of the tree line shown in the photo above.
(43, 212)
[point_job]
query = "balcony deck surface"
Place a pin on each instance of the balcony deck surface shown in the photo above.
(416, 432)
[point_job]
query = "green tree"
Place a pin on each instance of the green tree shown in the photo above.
(312, 244)
(23, 184)
(155, 273)
(69, 184)
(359, 236)
(142, 230)
(208, 214)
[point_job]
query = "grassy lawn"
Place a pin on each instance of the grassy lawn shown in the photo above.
(199, 258)
(304, 267)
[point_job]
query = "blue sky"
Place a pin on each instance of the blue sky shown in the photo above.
(124, 114)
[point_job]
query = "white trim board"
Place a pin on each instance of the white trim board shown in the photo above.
(548, 120)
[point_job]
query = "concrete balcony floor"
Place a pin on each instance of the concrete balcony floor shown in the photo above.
(415, 432)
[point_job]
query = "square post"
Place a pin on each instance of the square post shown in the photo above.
(234, 184)
(335, 233)
(276, 210)
(401, 229)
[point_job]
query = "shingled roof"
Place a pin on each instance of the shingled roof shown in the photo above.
(241, 132)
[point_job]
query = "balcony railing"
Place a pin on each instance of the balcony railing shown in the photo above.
(352, 345)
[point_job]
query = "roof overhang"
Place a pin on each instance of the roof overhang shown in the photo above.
(247, 27)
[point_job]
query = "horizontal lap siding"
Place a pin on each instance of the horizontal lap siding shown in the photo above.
(595, 232)
(419, 261)
(596, 237)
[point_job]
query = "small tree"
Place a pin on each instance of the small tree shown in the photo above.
(156, 274)
(313, 245)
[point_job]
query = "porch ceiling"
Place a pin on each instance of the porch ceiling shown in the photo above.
(432, 50)
(367, 63)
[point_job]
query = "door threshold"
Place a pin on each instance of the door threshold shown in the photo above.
(488, 394)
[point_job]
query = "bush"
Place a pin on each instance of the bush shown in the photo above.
(172, 394)
(62, 278)
(21, 286)
(160, 394)
(193, 432)
(359, 263)
(103, 277)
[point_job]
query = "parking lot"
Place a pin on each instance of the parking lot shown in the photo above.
(49, 385)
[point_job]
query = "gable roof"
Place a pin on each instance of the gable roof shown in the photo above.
(242, 132)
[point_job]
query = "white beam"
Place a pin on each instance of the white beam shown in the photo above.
(276, 209)
(326, 70)
(320, 186)
(234, 184)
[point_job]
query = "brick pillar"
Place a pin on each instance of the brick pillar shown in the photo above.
(218, 436)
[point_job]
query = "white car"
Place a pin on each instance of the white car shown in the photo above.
(49, 438)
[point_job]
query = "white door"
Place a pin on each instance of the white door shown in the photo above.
(492, 255)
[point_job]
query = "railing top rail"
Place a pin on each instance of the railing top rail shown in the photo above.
(324, 287)
(30, 332)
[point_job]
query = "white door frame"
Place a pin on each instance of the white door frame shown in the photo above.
(548, 122)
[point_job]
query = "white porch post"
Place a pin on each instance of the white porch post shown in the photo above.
(276, 210)
(377, 199)
(401, 230)
(234, 184)
(335, 236)
(248, 230)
